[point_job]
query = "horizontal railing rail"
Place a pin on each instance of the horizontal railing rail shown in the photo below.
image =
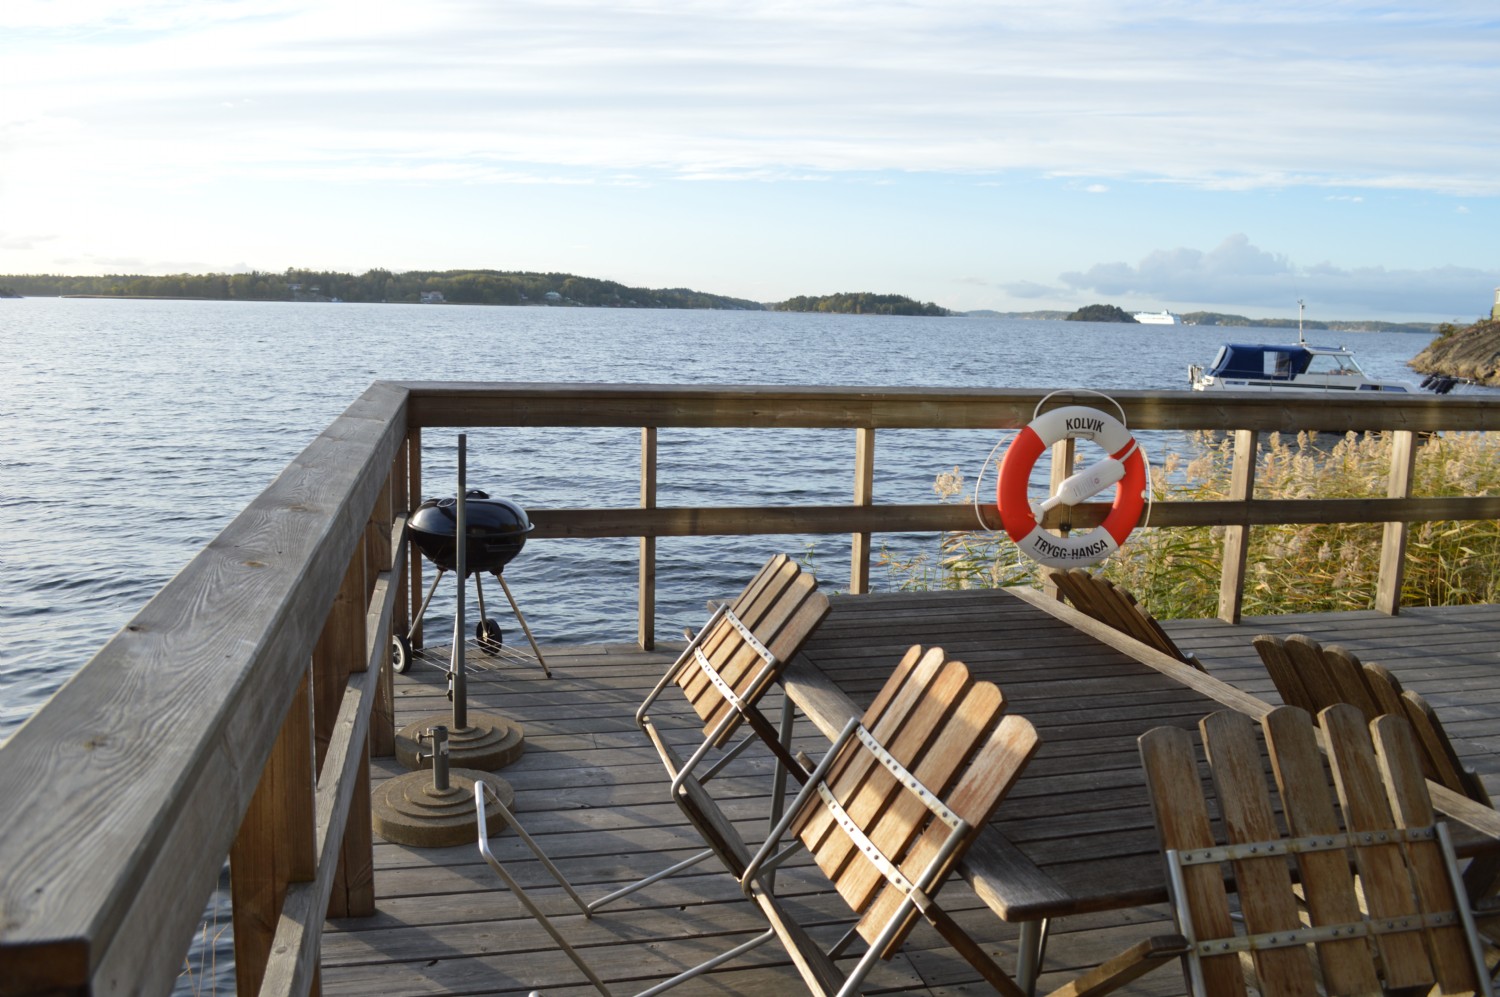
(234, 715)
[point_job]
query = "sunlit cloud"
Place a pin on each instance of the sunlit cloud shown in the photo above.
(1236, 270)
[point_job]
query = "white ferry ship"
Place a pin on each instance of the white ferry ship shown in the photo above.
(1158, 318)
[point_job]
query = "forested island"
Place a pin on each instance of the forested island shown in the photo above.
(1101, 313)
(861, 303)
(465, 287)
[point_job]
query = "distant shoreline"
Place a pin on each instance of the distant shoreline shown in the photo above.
(134, 297)
(1213, 319)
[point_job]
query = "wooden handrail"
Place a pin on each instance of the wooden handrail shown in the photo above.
(120, 799)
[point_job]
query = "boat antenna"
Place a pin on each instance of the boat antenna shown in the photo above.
(1300, 340)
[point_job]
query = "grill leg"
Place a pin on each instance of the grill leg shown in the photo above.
(526, 629)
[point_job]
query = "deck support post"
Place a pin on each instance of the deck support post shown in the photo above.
(276, 843)
(646, 572)
(864, 495)
(1237, 535)
(1393, 539)
(340, 652)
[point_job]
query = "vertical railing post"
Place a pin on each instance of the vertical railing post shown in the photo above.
(1064, 455)
(1393, 539)
(383, 713)
(276, 843)
(864, 496)
(340, 651)
(646, 572)
(1237, 535)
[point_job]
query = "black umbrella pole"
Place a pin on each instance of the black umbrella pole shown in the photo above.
(461, 530)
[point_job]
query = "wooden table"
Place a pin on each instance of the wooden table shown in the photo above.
(1076, 833)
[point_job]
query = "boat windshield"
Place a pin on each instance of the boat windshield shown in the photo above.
(1333, 363)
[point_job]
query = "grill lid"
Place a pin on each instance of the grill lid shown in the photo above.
(496, 529)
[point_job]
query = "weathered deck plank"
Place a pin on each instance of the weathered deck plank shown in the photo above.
(592, 792)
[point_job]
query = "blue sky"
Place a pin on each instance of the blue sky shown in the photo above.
(1022, 155)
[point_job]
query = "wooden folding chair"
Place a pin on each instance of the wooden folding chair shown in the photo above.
(1103, 600)
(723, 673)
(1381, 905)
(889, 812)
(1311, 676)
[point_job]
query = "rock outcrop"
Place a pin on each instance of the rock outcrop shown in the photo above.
(1471, 353)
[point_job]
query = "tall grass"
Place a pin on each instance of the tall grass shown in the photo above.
(1291, 568)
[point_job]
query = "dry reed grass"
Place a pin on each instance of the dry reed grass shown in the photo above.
(1291, 568)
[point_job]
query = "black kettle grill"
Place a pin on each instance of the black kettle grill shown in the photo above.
(496, 532)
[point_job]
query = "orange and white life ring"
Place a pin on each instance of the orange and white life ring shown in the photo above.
(1124, 468)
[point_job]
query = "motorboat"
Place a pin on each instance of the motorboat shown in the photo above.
(1299, 367)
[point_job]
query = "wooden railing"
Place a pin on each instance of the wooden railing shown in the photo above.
(234, 715)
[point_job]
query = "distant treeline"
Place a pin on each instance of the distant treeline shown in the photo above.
(471, 287)
(862, 303)
(1219, 318)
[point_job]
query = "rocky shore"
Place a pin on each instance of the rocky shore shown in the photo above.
(1471, 353)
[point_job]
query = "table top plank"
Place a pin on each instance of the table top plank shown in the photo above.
(1076, 833)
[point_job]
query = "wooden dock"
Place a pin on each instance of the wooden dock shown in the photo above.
(232, 716)
(591, 791)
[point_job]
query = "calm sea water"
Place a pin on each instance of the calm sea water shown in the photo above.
(135, 430)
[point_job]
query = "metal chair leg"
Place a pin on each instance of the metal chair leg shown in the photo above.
(482, 796)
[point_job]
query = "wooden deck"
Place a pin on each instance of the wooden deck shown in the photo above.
(591, 791)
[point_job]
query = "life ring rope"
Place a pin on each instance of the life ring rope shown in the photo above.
(1123, 467)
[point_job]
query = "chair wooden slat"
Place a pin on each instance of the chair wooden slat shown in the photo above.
(1328, 884)
(1284, 675)
(1317, 679)
(1182, 823)
(987, 780)
(722, 640)
(1409, 801)
(951, 743)
(1385, 688)
(1440, 761)
(781, 606)
(884, 720)
(1265, 888)
(1349, 681)
(865, 787)
(1382, 870)
(763, 607)
(1100, 598)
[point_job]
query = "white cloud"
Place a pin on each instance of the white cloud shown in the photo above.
(1219, 94)
(1237, 271)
